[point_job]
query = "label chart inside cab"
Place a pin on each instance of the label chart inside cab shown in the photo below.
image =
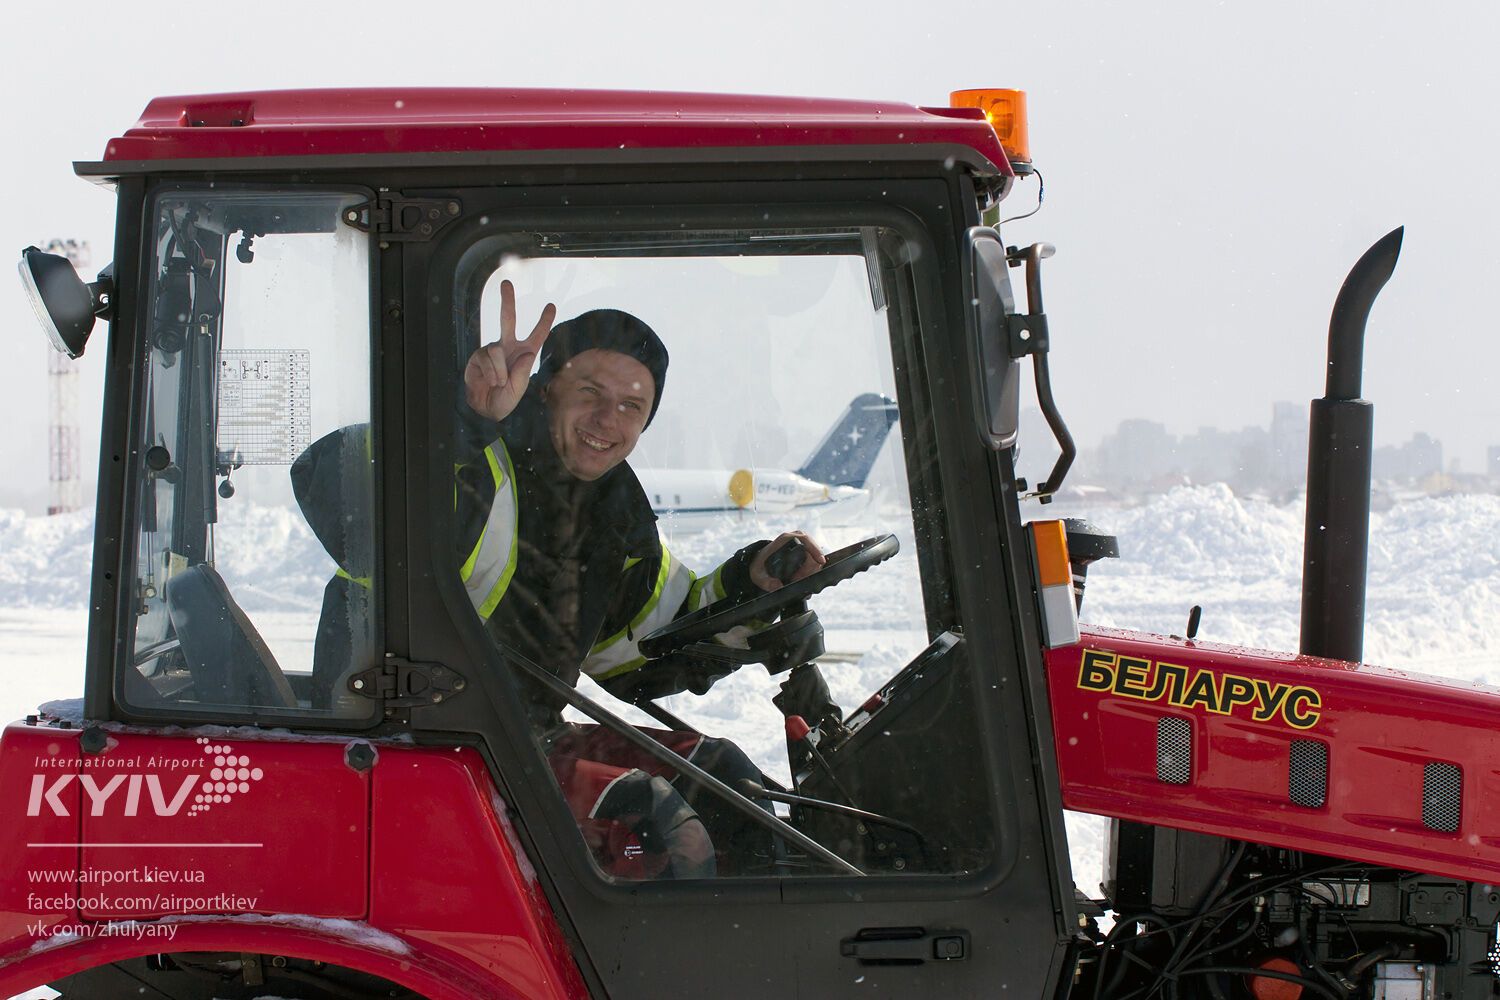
(265, 406)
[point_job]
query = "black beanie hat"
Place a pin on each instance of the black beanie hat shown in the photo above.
(607, 330)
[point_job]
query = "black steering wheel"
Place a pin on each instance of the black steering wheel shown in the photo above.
(705, 623)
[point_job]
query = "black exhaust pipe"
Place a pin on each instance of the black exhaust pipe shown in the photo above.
(1336, 541)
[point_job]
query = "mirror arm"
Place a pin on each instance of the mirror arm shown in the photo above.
(1028, 335)
(1043, 378)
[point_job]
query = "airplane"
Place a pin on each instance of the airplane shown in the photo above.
(833, 476)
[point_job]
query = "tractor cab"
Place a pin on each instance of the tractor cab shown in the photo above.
(313, 551)
(563, 544)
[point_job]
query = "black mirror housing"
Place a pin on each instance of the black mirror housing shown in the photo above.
(996, 373)
(64, 304)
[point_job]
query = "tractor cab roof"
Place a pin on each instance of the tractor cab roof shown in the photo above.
(481, 125)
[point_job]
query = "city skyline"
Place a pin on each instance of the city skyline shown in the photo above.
(1142, 455)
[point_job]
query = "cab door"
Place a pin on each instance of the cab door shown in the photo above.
(816, 383)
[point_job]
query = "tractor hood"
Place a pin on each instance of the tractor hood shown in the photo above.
(1352, 760)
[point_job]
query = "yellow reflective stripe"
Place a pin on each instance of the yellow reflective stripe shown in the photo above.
(695, 591)
(363, 581)
(467, 570)
(468, 567)
(651, 603)
(620, 652)
(623, 668)
(631, 561)
(490, 603)
(712, 585)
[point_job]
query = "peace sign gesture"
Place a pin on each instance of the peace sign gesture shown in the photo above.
(497, 374)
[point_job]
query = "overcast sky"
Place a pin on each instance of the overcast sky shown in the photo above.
(1212, 170)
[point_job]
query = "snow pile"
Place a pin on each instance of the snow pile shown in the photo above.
(267, 555)
(45, 561)
(1239, 559)
(270, 558)
(1434, 597)
(1434, 574)
(1433, 581)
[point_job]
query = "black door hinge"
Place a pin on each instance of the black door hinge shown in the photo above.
(395, 219)
(400, 683)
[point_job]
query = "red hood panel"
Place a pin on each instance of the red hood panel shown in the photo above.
(1350, 760)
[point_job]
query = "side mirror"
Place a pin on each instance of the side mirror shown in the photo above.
(64, 305)
(997, 375)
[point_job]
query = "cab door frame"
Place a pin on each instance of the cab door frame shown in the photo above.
(1019, 916)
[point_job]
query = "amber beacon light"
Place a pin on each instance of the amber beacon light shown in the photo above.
(1006, 112)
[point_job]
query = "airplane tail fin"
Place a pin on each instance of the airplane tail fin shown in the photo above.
(847, 452)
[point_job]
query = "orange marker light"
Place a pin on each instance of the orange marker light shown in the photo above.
(1051, 554)
(1054, 579)
(1006, 112)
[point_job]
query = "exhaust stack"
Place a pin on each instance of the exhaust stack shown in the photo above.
(1336, 541)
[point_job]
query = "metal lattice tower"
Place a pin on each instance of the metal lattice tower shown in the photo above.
(62, 425)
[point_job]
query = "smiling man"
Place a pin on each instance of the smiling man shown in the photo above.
(598, 404)
(561, 558)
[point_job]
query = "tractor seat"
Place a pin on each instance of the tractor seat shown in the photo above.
(229, 662)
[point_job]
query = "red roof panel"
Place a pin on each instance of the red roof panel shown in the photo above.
(425, 120)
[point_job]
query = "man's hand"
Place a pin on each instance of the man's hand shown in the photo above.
(497, 374)
(812, 560)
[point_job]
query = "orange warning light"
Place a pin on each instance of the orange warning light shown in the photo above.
(1006, 112)
(1054, 577)
(1053, 567)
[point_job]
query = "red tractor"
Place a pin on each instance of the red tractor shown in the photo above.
(329, 740)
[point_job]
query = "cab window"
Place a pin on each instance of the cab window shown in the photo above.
(708, 419)
(254, 582)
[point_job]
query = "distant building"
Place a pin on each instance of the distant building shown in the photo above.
(1141, 456)
(1217, 456)
(1288, 445)
(1418, 458)
(1138, 452)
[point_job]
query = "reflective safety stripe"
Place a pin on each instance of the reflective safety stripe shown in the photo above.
(706, 590)
(619, 653)
(363, 581)
(488, 570)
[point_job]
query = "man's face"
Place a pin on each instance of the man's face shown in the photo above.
(597, 406)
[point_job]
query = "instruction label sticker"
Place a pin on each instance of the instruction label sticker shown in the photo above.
(1221, 693)
(265, 406)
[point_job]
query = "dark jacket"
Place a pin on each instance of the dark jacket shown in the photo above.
(585, 578)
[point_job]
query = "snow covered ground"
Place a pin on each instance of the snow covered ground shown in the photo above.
(1433, 606)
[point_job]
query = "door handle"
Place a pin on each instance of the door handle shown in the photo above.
(905, 946)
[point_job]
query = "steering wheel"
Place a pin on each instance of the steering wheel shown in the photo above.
(705, 623)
